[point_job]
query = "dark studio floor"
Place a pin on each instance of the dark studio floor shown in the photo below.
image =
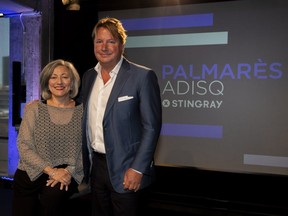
(80, 206)
(211, 194)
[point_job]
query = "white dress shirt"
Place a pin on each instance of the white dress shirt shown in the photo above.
(97, 105)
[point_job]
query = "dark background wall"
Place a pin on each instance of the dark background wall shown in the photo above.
(72, 35)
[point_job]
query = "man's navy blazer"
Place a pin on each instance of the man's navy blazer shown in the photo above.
(131, 123)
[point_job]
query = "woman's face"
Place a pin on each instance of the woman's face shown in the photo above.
(60, 82)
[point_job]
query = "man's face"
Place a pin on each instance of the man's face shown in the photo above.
(107, 49)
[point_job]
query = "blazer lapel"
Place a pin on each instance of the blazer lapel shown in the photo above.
(90, 83)
(120, 81)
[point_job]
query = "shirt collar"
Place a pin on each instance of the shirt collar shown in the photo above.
(114, 71)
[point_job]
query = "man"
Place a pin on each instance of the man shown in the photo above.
(121, 124)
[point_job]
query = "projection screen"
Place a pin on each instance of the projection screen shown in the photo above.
(222, 69)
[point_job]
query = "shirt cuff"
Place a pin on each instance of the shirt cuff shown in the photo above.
(137, 171)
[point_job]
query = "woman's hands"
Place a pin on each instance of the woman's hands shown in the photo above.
(58, 175)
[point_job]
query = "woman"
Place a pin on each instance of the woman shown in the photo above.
(49, 144)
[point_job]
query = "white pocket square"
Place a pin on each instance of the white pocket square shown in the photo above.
(124, 98)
